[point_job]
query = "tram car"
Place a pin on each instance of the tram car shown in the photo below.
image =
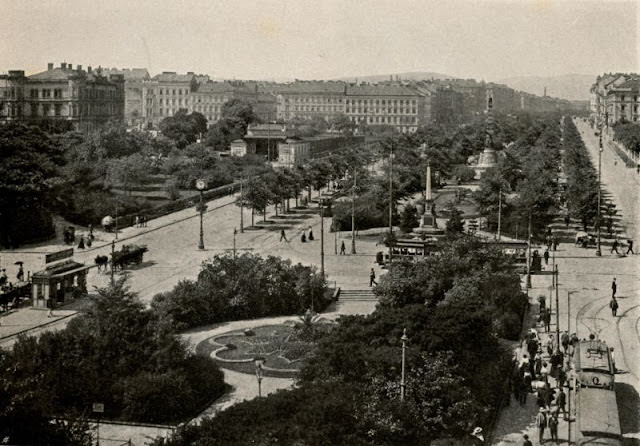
(597, 418)
(593, 364)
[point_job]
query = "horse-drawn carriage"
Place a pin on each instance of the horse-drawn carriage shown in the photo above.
(12, 295)
(584, 240)
(128, 254)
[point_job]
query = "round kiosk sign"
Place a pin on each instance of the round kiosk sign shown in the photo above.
(201, 184)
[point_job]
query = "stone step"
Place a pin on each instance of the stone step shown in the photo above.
(361, 294)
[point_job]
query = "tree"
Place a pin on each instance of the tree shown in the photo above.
(341, 123)
(183, 128)
(124, 172)
(256, 196)
(408, 218)
(29, 173)
(455, 225)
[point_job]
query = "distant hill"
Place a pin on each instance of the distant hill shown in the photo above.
(413, 76)
(574, 87)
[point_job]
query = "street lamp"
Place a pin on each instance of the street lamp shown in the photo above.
(201, 185)
(354, 189)
(598, 251)
(322, 237)
(259, 363)
(404, 340)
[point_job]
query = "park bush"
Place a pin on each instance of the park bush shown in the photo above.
(247, 287)
(118, 354)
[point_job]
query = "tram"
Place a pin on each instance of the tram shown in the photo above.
(597, 418)
(593, 364)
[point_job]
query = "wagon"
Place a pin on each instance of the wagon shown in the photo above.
(128, 255)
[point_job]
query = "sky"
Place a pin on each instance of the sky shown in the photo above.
(324, 39)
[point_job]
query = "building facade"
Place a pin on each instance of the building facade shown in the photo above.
(85, 99)
(614, 97)
(293, 152)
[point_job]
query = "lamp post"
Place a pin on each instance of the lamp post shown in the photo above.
(201, 186)
(259, 363)
(499, 210)
(322, 237)
(113, 250)
(555, 274)
(529, 255)
(390, 203)
(242, 206)
(598, 251)
(569, 293)
(353, 211)
(235, 232)
(404, 340)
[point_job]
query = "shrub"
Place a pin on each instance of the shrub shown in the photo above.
(464, 173)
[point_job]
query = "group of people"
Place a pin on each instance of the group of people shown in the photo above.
(616, 244)
(141, 221)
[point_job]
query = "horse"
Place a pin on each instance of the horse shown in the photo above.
(102, 262)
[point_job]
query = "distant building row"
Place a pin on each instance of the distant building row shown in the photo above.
(89, 98)
(615, 97)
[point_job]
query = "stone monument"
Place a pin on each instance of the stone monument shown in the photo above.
(428, 224)
(488, 157)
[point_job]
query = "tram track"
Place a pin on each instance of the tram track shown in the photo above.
(626, 355)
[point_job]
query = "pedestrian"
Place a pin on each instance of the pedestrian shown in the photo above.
(144, 221)
(89, 242)
(542, 304)
(546, 256)
(342, 248)
(630, 248)
(541, 423)
(50, 313)
(372, 278)
(20, 275)
(613, 359)
(544, 371)
(614, 288)
(527, 379)
(562, 402)
(532, 347)
(548, 242)
(537, 360)
(614, 306)
(553, 427)
(283, 236)
(3, 277)
(477, 438)
(526, 441)
(137, 221)
(555, 243)
(81, 244)
(91, 236)
(564, 340)
(547, 321)
(562, 377)
(310, 234)
(614, 247)
(638, 169)
(303, 238)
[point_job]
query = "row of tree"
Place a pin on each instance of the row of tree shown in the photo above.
(119, 354)
(349, 390)
(628, 134)
(525, 183)
(582, 179)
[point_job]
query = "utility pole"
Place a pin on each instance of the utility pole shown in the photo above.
(404, 340)
(113, 250)
(598, 251)
(322, 238)
(390, 203)
(353, 212)
(499, 210)
(555, 273)
(529, 255)
(235, 231)
(116, 220)
(242, 206)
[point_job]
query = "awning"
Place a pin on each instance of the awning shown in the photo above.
(70, 272)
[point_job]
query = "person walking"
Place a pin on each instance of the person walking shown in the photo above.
(614, 247)
(303, 238)
(614, 288)
(283, 236)
(614, 306)
(567, 220)
(372, 278)
(342, 248)
(613, 360)
(137, 221)
(553, 427)
(81, 244)
(555, 243)
(562, 403)
(547, 321)
(20, 275)
(91, 236)
(630, 247)
(542, 303)
(526, 441)
(310, 234)
(541, 423)
(546, 256)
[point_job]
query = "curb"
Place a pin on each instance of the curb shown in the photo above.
(38, 326)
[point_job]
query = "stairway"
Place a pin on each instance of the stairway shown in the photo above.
(357, 295)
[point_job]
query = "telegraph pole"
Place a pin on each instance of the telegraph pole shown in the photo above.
(242, 206)
(499, 210)
(322, 237)
(390, 203)
(529, 256)
(598, 251)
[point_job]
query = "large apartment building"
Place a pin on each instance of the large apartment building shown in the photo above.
(614, 97)
(86, 99)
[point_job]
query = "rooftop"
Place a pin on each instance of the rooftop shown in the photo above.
(172, 76)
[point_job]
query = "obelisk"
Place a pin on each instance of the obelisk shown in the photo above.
(428, 219)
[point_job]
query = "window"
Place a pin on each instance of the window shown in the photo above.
(34, 93)
(58, 109)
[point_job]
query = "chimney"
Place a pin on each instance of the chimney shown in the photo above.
(63, 65)
(50, 66)
(89, 69)
(79, 68)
